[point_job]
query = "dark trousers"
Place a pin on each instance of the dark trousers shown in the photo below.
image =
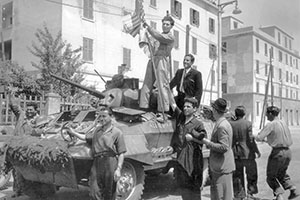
(250, 167)
(189, 185)
(278, 163)
(104, 168)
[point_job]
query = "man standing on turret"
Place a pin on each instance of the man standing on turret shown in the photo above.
(157, 72)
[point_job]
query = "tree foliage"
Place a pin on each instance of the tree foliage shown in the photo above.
(15, 76)
(56, 56)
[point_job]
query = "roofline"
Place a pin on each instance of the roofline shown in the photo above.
(276, 27)
(255, 33)
(229, 16)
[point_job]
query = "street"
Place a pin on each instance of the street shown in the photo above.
(162, 187)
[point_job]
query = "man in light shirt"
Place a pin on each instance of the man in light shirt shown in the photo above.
(279, 138)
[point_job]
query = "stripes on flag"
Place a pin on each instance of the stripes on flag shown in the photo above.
(132, 22)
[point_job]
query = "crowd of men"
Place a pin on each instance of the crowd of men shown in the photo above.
(232, 144)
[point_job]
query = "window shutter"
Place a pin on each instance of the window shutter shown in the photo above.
(197, 20)
(173, 7)
(179, 10)
(191, 16)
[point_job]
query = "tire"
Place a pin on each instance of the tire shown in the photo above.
(35, 190)
(4, 179)
(131, 184)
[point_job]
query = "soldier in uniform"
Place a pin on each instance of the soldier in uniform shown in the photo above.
(108, 148)
(279, 138)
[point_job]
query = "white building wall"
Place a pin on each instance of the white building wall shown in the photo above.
(26, 20)
(108, 38)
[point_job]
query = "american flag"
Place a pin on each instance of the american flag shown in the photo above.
(132, 22)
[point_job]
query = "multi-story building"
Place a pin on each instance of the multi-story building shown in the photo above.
(97, 27)
(248, 53)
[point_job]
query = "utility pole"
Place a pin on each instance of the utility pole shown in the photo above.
(271, 72)
(269, 82)
(187, 39)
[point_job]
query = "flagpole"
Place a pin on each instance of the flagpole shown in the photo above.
(156, 76)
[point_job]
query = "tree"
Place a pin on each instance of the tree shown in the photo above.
(57, 57)
(15, 76)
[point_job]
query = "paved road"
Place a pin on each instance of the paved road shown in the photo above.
(162, 187)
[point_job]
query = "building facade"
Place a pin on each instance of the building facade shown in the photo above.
(248, 54)
(97, 27)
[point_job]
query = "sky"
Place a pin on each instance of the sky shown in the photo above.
(284, 14)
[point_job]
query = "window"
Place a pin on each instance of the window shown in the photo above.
(213, 77)
(280, 91)
(257, 87)
(176, 8)
(127, 57)
(212, 51)
(291, 93)
(291, 61)
(257, 108)
(296, 63)
(224, 68)
(7, 15)
(175, 65)
(266, 69)
(290, 44)
(287, 76)
(211, 23)
(153, 25)
(224, 88)
(194, 17)
(280, 75)
(291, 77)
(287, 93)
(280, 56)
(87, 52)
(285, 42)
(194, 45)
(224, 47)
(266, 49)
(279, 38)
(271, 52)
(235, 25)
(257, 46)
(297, 79)
(176, 35)
(153, 3)
(257, 66)
(88, 9)
(286, 59)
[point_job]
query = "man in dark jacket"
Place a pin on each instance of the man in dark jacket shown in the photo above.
(189, 169)
(244, 150)
(188, 82)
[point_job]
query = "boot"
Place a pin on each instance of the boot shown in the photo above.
(294, 193)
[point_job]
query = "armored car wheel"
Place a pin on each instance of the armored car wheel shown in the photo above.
(131, 184)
